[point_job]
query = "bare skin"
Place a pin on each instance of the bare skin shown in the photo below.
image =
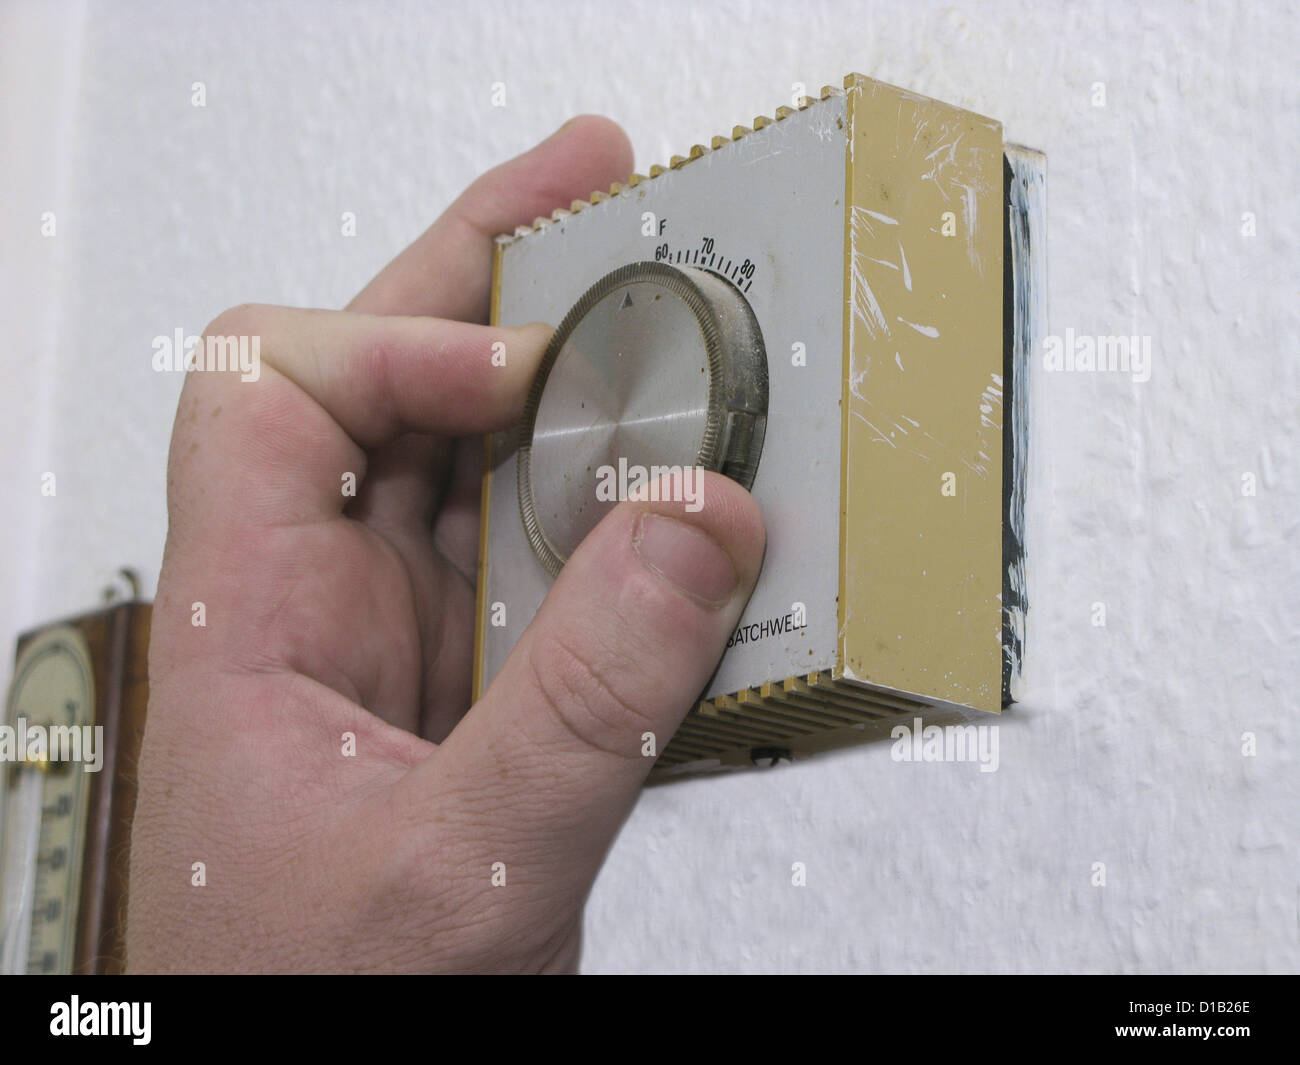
(328, 615)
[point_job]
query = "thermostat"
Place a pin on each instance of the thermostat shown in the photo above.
(834, 307)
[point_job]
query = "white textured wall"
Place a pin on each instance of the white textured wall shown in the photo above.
(1127, 747)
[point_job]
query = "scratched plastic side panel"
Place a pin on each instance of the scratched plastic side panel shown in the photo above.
(921, 544)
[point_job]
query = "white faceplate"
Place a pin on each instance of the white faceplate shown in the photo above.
(774, 198)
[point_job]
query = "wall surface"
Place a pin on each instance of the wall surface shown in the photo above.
(1127, 747)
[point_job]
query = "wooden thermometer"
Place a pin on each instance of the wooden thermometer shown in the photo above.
(71, 733)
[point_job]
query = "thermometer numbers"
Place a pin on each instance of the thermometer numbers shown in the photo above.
(737, 269)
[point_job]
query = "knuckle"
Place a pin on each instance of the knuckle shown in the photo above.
(577, 695)
(240, 320)
(225, 330)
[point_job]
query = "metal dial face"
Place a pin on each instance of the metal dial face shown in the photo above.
(656, 368)
(44, 828)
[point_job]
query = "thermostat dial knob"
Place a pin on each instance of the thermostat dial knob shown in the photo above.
(656, 366)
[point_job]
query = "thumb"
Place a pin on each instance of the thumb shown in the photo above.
(623, 645)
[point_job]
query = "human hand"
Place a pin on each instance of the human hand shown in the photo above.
(326, 615)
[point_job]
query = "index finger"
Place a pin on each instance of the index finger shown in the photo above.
(447, 271)
(270, 448)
